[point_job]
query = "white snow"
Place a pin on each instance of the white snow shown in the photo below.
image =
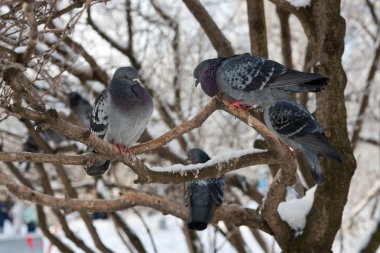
(166, 231)
(300, 3)
(217, 159)
(291, 194)
(20, 50)
(294, 211)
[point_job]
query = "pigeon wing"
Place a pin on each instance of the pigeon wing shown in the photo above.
(99, 115)
(290, 121)
(216, 189)
(293, 121)
(249, 73)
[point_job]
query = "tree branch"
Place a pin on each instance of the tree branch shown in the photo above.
(28, 8)
(257, 27)
(365, 99)
(131, 199)
(219, 41)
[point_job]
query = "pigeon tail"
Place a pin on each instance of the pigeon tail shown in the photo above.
(319, 143)
(314, 164)
(98, 169)
(200, 216)
(295, 81)
(328, 150)
(197, 225)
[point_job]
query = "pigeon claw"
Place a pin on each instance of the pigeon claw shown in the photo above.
(130, 153)
(239, 104)
(293, 152)
(121, 148)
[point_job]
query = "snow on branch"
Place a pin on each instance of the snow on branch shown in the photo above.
(145, 175)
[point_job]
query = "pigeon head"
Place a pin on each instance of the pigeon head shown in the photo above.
(126, 90)
(126, 73)
(196, 155)
(205, 73)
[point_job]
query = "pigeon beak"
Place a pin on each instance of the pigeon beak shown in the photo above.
(196, 82)
(188, 161)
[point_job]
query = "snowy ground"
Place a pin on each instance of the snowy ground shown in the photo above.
(166, 231)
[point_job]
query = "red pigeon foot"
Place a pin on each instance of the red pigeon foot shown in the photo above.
(121, 148)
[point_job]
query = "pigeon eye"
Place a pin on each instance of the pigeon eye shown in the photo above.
(126, 76)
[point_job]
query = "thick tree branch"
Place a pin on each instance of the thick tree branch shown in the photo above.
(22, 87)
(276, 194)
(257, 28)
(286, 38)
(189, 125)
(215, 35)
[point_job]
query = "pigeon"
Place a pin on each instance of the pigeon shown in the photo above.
(254, 81)
(120, 114)
(30, 146)
(204, 195)
(52, 138)
(296, 127)
(80, 107)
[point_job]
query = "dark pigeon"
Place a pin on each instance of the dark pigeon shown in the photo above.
(30, 146)
(296, 127)
(80, 108)
(254, 81)
(204, 195)
(48, 135)
(120, 114)
(51, 137)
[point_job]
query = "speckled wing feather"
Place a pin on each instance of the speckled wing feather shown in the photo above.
(249, 73)
(290, 121)
(293, 122)
(216, 189)
(99, 115)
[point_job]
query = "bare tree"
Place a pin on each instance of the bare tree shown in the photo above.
(49, 48)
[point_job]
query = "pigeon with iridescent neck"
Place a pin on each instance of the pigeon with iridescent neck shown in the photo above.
(120, 114)
(254, 81)
(295, 126)
(203, 195)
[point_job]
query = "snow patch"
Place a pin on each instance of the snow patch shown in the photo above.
(294, 211)
(300, 3)
(183, 169)
(20, 50)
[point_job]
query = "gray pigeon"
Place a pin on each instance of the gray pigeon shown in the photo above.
(120, 114)
(254, 81)
(204, 195)
(296, 127)
(80, 107)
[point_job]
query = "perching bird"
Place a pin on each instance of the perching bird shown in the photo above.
(120, 114)
(80, 107)
(204, 195)
(296, 127)
(254, 81)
